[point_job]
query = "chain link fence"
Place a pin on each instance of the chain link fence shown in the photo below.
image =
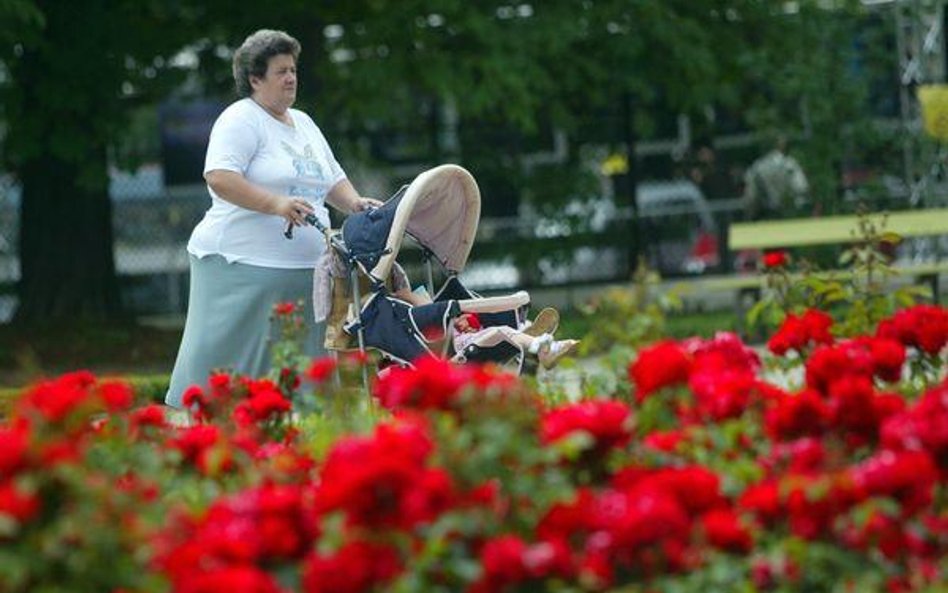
(677, 231)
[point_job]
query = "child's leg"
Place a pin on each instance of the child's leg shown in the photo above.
(527, 342)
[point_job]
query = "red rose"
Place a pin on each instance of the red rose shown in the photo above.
(723, 530)
(357, 567)
(321, 369)
(14, 502)
(246, 579)
(433, 383)
(287, 308)
(14, 444)
(151, 415)
(606, 421)
(661, 365)
(502, 559)
(775, 259)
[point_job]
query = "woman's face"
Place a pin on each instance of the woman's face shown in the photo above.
(277, 89)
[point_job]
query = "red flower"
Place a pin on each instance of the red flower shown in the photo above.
(242, 579)
(830, 363)
(14, 445)
(695, 488)
(793, 416)
(117, 395)
(321, 369)
(286, 308)
(17, 504)
(924, 327)
(852, 401)
(775, 259)
(723, 530)
(434, 383)
(502, 559)
(204, 447)
(264, 402)
(802, 456)
(923, 427)
(56, 399)
(722, 394)
(661, 365)
(647, 527)
(888, 358)
(762, 499)
(382, 479)
(151, 415)
(666, 441)
(798, 333)
(193, 398)
(724, 351)
(606, 421)
(909, 477)
(358, 567)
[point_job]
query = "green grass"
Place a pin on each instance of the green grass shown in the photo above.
(677, 325)
(701, 324)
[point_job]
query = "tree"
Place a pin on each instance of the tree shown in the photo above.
(74, 70)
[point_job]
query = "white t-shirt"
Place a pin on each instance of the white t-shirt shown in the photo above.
(286, 160)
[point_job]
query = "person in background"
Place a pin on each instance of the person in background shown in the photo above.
(775, 185)
(267, 166)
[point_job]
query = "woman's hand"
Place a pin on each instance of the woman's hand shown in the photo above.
(345, 198)
(294, 210)
(363, 203)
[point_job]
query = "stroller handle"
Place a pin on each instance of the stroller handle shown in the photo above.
(310, 219)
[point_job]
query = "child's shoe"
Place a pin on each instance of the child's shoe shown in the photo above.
(550, 355)
(546, 322)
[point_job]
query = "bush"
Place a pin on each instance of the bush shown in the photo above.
(820, 466)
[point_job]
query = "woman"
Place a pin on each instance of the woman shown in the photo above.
(267, 166)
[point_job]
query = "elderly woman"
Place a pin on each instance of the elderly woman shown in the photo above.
(267, 166)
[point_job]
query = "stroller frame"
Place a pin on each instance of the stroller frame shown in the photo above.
(357, 247)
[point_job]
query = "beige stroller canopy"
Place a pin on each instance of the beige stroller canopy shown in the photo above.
(440, 209)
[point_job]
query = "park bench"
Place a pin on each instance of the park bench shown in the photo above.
(802, 232)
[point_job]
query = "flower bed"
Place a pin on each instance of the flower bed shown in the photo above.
(697, 473)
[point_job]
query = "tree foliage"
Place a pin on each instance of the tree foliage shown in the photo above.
(509, 72)
(75, 71)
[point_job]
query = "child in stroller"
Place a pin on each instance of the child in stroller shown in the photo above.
(468, 330)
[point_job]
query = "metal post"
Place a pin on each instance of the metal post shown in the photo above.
(921, 48)
(357, 303)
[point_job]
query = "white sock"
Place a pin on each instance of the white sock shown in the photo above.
(538, 343)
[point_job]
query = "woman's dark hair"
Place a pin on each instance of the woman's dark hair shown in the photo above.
(253, 55)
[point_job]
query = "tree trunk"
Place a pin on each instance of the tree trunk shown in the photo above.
(58, 131)
(66, 261)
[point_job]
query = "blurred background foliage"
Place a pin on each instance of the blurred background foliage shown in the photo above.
(486, 84)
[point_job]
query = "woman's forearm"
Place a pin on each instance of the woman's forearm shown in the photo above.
(235, 188)
(344, 197)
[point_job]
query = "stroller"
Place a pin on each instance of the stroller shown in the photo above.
(439, 210)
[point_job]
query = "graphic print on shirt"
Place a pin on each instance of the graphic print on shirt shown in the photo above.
(308, 167)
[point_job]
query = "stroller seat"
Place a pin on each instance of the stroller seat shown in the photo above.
(439, 210)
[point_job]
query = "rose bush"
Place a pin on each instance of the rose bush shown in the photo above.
(705, 470)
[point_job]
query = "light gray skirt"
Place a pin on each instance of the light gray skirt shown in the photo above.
(228, 323)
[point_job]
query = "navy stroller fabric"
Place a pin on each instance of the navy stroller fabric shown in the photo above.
(365, 233)
(453, 289)
(396, 328)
